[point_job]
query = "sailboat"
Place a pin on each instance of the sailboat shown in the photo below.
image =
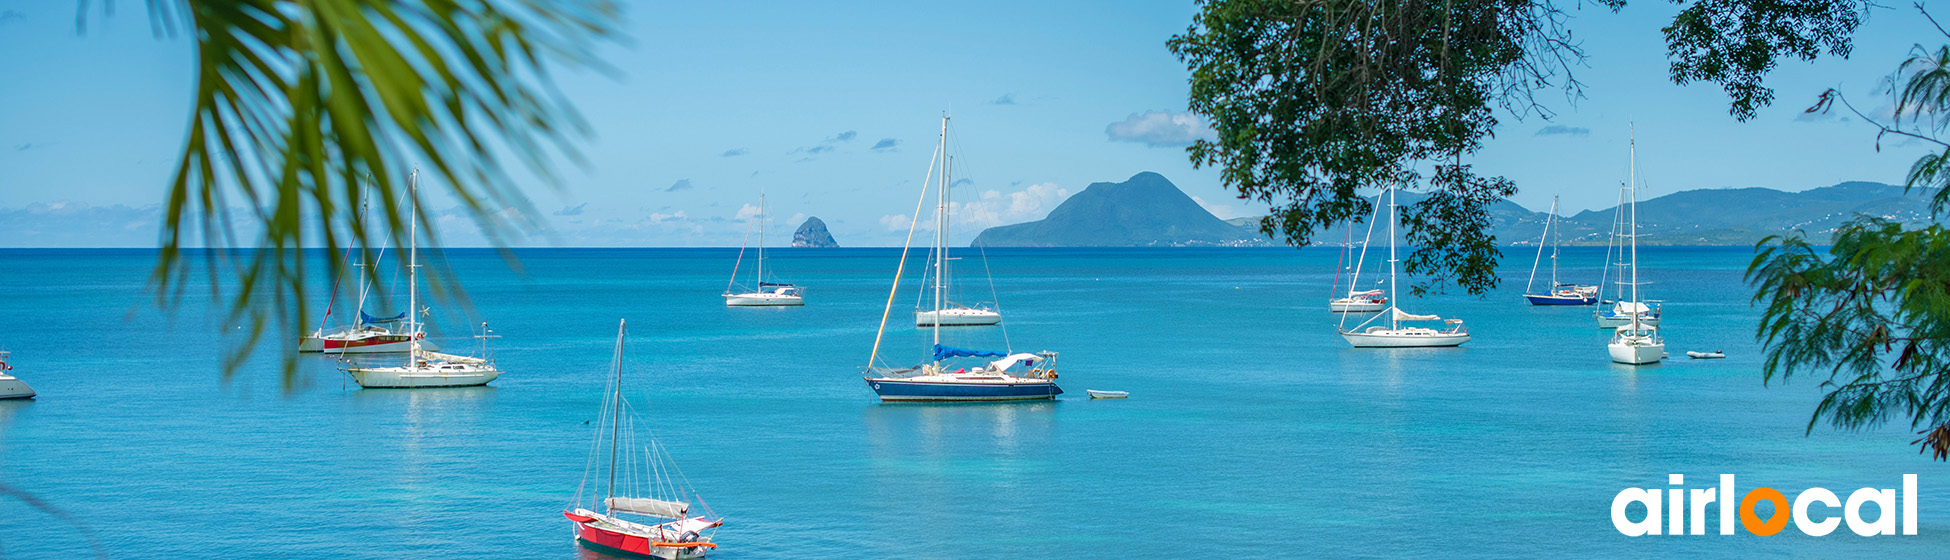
(945, 312)
(767, 293)
(1637, 341)
(368, 335)
(1635, 312)
(424, 367)
(12, 387)
(1558, 293)
(649, 513)
(1357, 301)
(1394, 335)
(1014, 376)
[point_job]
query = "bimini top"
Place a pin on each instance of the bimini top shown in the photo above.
(945, 352)
(365, 319)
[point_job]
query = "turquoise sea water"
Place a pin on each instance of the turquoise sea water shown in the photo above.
(1252, 430)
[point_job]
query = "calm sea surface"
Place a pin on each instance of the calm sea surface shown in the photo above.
(1252, 430)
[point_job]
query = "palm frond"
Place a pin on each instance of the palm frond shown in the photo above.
(297, 101)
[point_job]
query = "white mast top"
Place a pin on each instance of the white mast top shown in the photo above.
(941, 231)
(413, 264)
(1632, 184)
(1394, 303)
(760, 286)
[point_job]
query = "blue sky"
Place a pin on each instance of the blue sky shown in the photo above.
(831, 109)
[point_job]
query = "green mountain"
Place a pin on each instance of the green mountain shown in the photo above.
(1143, 211)
(1147, 210)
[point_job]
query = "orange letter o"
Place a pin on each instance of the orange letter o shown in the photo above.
(1752, 522)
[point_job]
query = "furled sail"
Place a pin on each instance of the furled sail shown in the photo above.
(1406, 316)
(945, 352)
(650, 506)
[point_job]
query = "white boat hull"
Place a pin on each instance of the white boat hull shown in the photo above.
(762, 300)
(1637, 354)
(13, 388)
(313, 343)
(1345, 306)
(416, 378)
(958, 317)
(1379, 337)
(1613, 322)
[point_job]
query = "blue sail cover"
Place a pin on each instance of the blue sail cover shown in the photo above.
(945, 352)
(773, 284)
(365, 319)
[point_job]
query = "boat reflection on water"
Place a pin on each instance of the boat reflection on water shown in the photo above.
(942, 430)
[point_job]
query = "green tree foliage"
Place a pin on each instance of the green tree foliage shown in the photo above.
(301, 103)
(1873, 313)
(1735, 43)
(1316, 101)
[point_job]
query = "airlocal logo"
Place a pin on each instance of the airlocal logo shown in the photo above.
(1683, 504)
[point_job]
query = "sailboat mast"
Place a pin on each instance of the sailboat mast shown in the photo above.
(941, 231)
(413, 265)
(1394, 303)
(1633, 185)
(760, 285)
(615, 407)
(1540, 250)
(1554, 243)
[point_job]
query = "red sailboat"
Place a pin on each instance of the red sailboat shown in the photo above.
(652, 511)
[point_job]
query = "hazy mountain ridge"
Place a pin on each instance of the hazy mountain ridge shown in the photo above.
(1695, 217)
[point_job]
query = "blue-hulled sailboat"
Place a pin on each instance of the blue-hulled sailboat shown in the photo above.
(955, 374)
(1559, 293)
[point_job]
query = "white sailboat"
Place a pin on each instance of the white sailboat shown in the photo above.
(12, 387)
(367, 334)
(1394, 334)
(1357, 300)
(653, 512)
(423, 367)
(767, 294)
(1557, 293)
(1636, 312)
(945, 312)
(1636, 342)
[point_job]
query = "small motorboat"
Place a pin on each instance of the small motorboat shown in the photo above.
(1714, 355)
(11, 387)
(1096, 394)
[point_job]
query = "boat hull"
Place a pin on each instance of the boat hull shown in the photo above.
(957, 318)
(378, 344)
(762, 300)
(1396, 340)
(613, 542)
(1554, 299)
(900, 390)
(1340, 306)
(1637, 354)
(400, 378)
(1613, 321)
(13, 388)
(311, 344)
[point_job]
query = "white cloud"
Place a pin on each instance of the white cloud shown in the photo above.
(746, 212)
(659, 217)
(896, 222)
(1160, 129)
(995, 208)
(796, 219)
